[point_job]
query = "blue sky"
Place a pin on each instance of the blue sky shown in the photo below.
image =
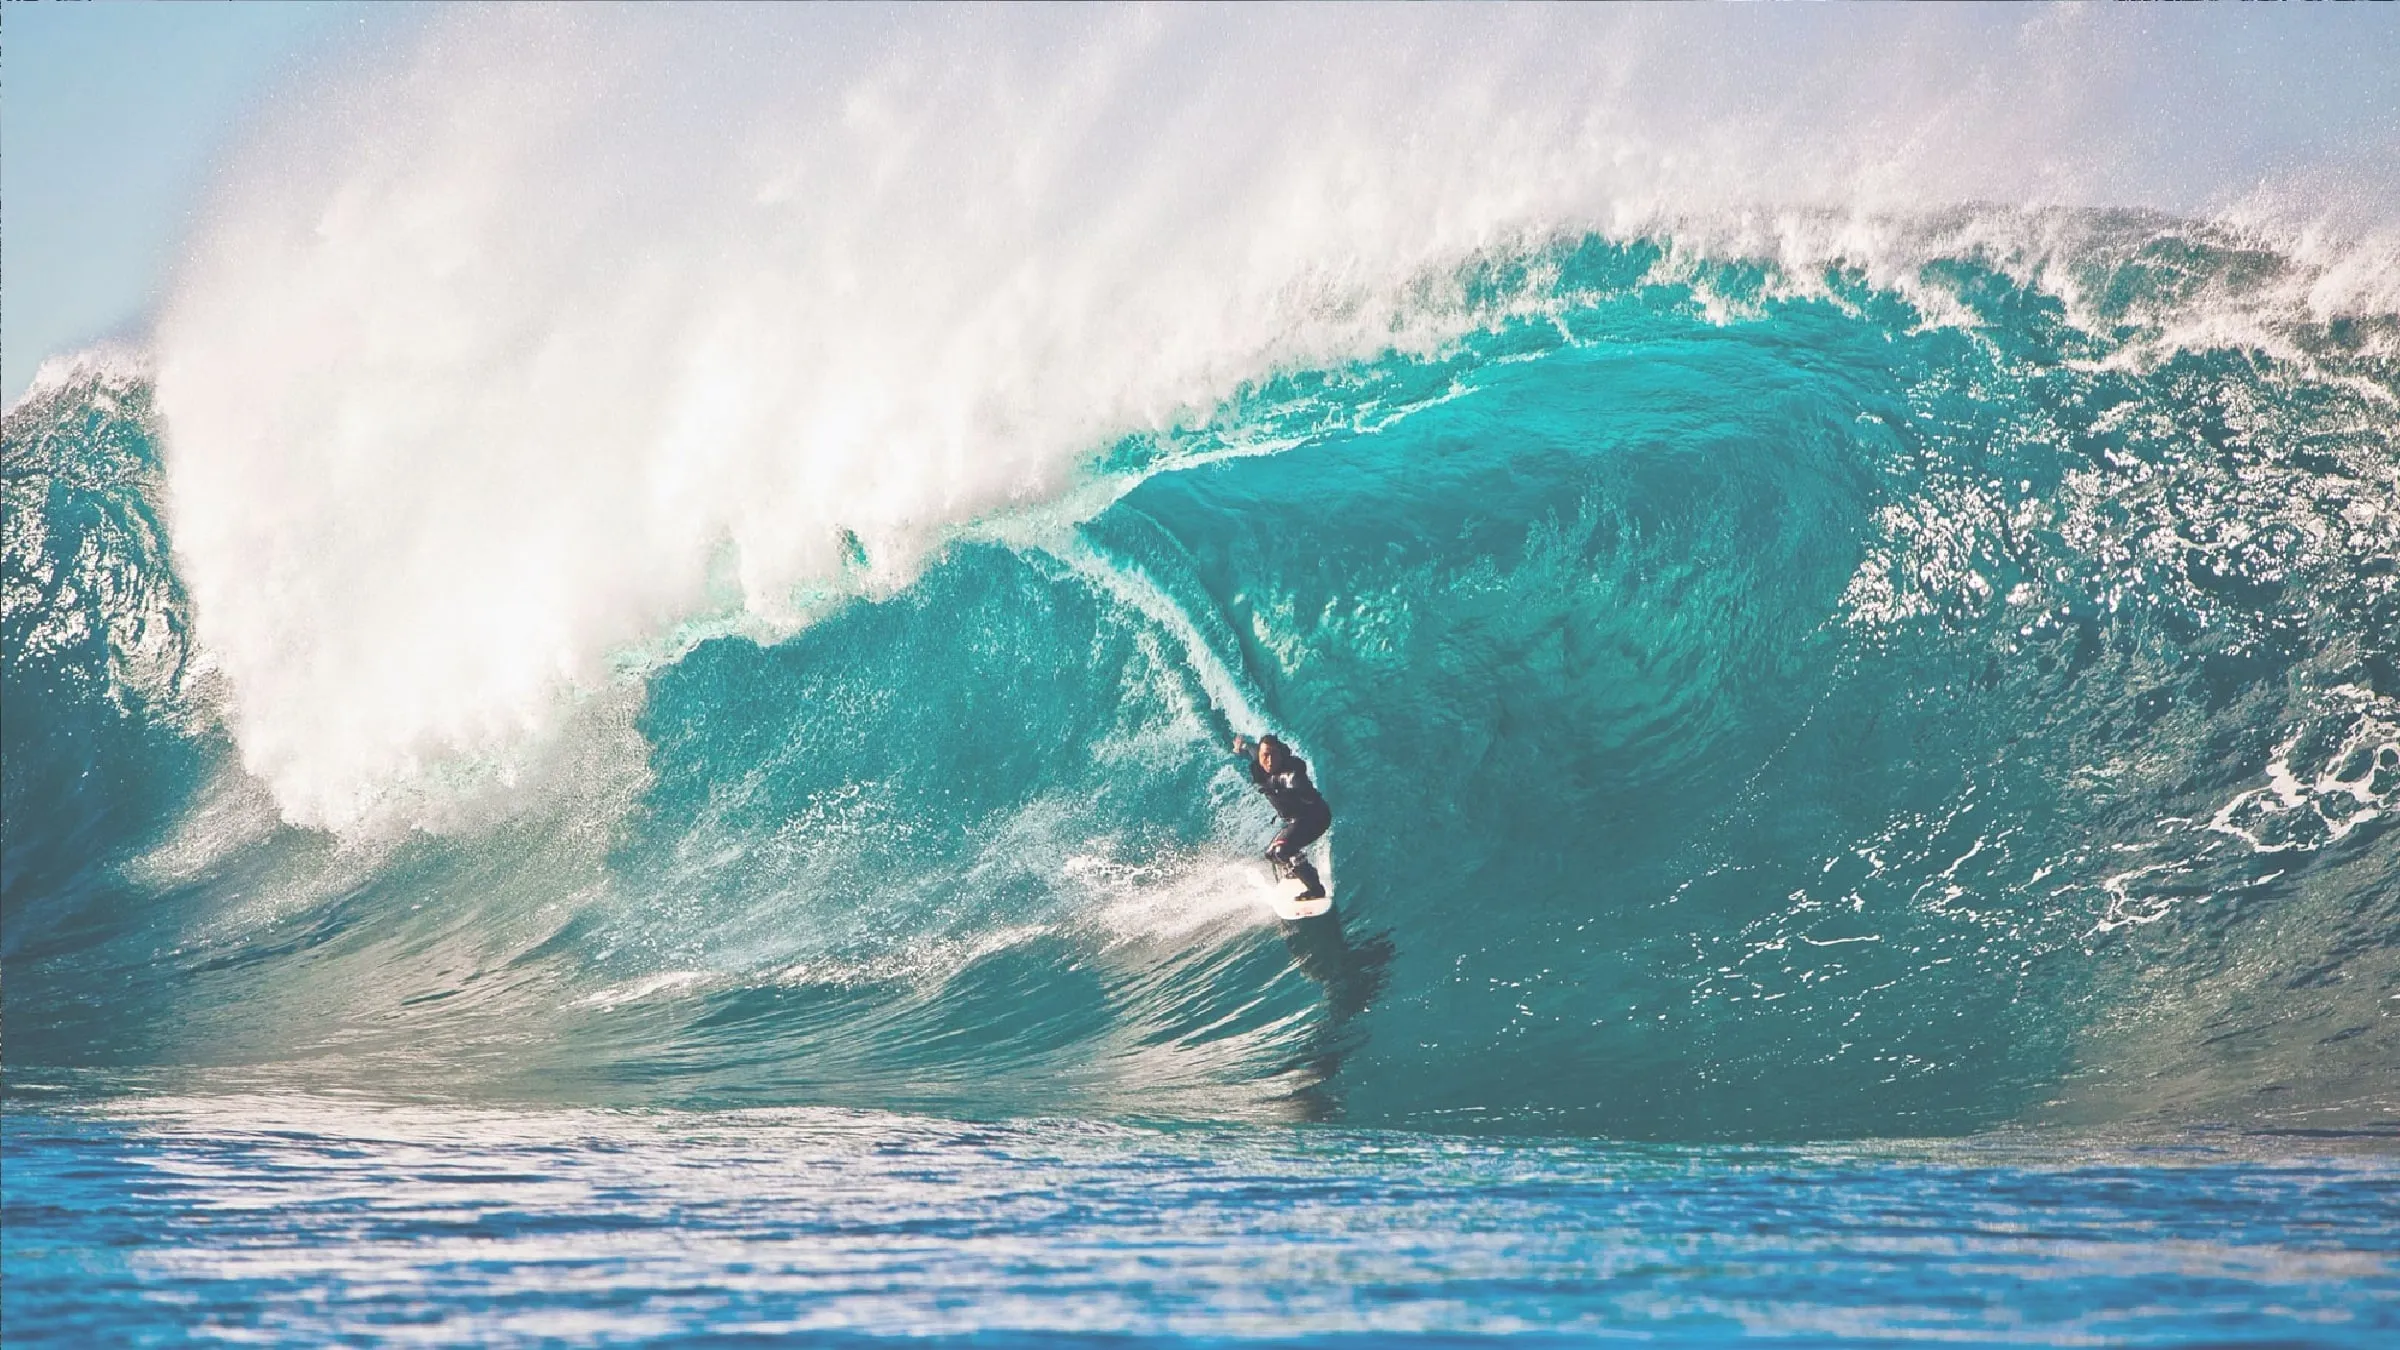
(113, 113)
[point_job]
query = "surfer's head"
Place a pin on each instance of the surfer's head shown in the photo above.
(1270, 752)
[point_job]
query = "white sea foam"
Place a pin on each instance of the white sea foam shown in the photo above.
(111, 366)
(546, 334)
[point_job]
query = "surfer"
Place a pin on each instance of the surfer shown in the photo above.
(1283, 777)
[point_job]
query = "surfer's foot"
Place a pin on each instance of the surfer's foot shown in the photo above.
(1310, 895)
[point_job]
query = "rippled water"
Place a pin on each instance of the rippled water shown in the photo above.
(294, 1220)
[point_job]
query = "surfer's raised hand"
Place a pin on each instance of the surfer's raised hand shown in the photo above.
(1241, 744)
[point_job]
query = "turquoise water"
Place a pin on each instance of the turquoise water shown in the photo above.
(291, 1220)
(1764, 717)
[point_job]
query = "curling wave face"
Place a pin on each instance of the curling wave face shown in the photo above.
(1811, 721)
(1777, 674)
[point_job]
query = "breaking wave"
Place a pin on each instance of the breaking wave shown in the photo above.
(1791, 654)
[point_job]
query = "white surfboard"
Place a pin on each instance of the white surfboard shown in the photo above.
(1282, 895)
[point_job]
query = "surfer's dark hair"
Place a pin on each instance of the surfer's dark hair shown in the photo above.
(1275, 741)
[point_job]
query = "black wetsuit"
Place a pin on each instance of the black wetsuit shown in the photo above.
(1306, 816)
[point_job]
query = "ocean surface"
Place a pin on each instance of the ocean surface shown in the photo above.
(1865, 746)
(283, 1219)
